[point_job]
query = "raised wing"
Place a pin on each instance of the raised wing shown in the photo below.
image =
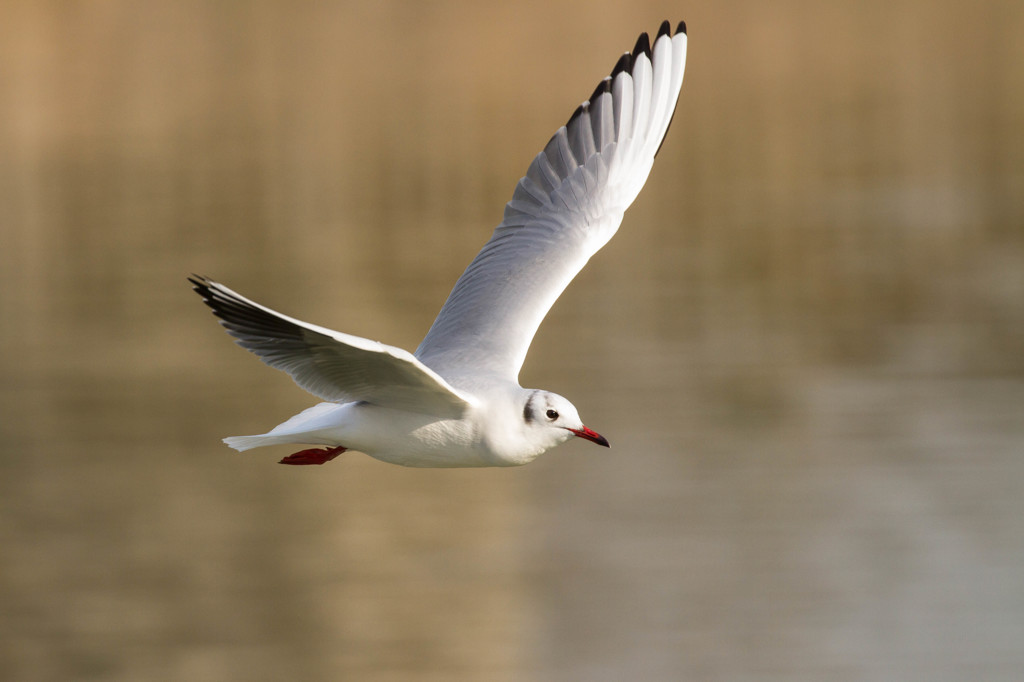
(332, 366)
(568, 206)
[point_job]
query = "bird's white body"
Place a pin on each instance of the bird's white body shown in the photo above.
(480, 438)
(457, 401)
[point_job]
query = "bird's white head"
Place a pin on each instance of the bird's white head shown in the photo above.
(524, 423)
(549, 419)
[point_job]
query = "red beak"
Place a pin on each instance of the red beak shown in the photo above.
(592, 436)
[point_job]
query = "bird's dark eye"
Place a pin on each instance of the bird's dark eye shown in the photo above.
(552, 415)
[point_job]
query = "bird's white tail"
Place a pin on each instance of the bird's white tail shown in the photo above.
(300, 429)
(242, 443)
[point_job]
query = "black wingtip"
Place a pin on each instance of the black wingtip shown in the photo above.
(622, 64)
(199, 283)
(204, 287)
(604, 86)
(576, 114)
(643, 46)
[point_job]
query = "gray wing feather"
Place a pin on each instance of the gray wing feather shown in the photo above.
(566, 207)
(331, 365)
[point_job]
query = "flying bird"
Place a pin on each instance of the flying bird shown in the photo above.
(456, 401)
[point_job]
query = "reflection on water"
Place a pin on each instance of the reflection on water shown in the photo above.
(804, 347)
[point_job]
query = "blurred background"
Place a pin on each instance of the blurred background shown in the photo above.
(804, 344)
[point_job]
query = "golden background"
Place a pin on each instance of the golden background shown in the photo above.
(805, 345)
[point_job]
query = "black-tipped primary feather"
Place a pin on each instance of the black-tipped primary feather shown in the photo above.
(664, 30)
(680, 28)
(604, 86)
(621, 65)
(642, 46)
(576, 114)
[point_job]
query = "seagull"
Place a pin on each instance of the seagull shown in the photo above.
(456, 401)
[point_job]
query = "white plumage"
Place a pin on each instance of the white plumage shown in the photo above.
(457, 400)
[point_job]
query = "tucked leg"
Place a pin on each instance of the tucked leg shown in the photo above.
(313, 456)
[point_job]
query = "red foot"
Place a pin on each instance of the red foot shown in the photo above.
(313, 456)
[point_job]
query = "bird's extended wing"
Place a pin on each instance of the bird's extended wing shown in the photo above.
(332, 366)
(568, 206)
